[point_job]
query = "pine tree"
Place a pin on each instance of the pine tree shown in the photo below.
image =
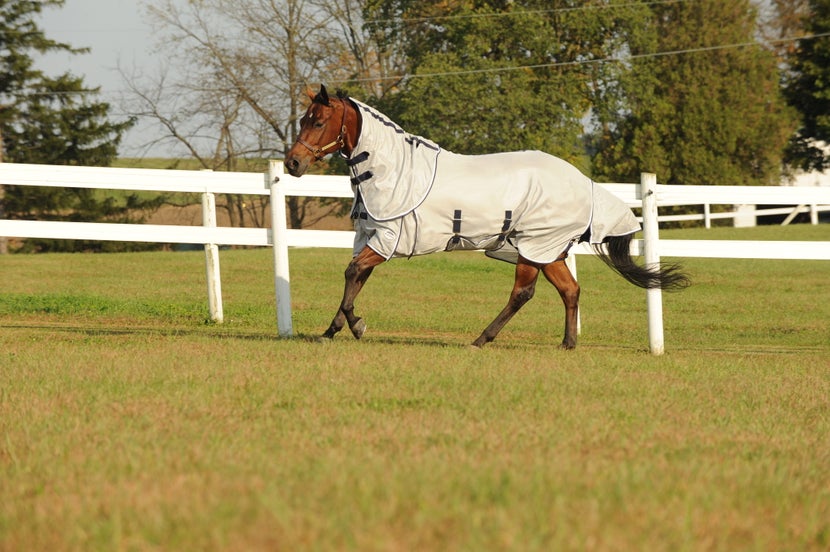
(51, 120)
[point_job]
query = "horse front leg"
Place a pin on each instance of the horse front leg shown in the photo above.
(524, 287)
(356, 275)
(560, 276)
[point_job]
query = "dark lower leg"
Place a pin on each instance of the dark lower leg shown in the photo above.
(560, 276)
(356, 275)
(336, 324)
(523, 289)
(346, 311)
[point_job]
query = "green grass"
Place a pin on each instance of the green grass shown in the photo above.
(127, 422)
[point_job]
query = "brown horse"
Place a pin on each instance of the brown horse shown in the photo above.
(414, 198)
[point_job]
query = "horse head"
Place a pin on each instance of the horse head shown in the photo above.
(329, 125)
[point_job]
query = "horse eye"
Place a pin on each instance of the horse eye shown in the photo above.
(318, 124)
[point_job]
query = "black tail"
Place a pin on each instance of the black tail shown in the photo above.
(614, 251)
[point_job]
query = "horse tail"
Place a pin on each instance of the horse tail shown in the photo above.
(615, 252)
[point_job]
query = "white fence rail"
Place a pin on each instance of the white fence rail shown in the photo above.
(707, 216)
(647, 195)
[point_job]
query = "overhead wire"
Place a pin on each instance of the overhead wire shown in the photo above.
(616, 59)
(509, 68)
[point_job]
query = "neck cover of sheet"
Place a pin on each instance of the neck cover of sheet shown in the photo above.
(399, 170)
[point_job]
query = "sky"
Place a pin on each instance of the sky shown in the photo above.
(119, 34)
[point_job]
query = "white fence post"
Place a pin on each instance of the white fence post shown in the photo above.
(651, 252)
(279, 236)
(214, 280)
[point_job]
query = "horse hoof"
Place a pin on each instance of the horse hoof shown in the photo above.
(568, 346)
(480, 342)
(325, 339)
(359, 328)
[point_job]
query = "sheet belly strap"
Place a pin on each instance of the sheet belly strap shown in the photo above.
(508, 218)
(456, 227)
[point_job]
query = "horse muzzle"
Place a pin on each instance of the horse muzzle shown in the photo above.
(296, 165)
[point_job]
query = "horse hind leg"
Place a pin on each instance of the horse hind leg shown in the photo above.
(558, 274)
(524, 287)
(356, 275)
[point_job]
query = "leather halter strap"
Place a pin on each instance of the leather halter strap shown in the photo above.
(320, 152)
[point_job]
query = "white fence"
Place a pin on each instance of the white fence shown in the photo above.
(748, 211)
(648, 195)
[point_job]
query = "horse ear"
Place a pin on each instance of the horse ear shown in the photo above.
(310, 93)
(323, 95)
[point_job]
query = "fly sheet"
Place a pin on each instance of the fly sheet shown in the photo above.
(414, 198)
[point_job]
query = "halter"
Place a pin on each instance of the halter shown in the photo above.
(321, 152)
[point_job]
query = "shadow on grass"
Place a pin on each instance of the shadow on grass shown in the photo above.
(94, 331)
(449, 341)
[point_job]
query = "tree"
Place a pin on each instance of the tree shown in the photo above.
(781, 20)
(494, 75)
(374, 60)
(702, 103)
(50, 120)
(234, 88)
(807, 89)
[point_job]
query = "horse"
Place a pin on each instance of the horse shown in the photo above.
(412, 197)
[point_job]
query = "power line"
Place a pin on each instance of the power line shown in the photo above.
(582, 62)
(509, 68)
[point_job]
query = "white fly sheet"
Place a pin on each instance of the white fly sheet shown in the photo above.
(413, 198)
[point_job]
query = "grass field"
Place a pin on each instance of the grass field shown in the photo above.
(127, 422)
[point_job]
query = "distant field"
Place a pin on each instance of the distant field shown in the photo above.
(184, 164)
(129, 422)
